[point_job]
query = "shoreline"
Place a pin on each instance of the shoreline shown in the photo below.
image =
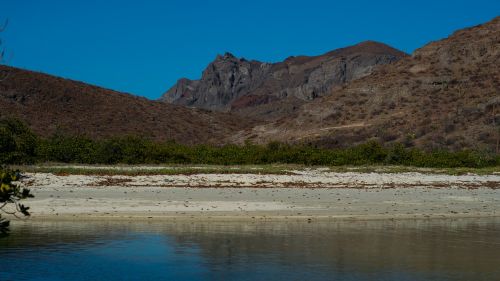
(144, 217)
(314, 194)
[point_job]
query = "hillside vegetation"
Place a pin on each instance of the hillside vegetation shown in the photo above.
(18, 145)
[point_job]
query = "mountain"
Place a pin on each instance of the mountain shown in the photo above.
(50, 104)
(446, 95)
(267, 91)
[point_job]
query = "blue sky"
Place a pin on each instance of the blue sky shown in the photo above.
(143, 47)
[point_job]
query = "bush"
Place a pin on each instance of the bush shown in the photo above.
(128, 150)
(11, 193)
(17, 142)
(67, 149)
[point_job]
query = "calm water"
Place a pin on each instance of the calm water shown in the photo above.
(377, 250)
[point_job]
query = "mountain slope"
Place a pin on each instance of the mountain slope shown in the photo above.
(446, 95)
(264, 90)
(49, 104)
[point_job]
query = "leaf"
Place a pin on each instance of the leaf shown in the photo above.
(24, 210)
(26, 194)
(4, 226)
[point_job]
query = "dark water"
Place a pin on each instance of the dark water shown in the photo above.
(377, 250)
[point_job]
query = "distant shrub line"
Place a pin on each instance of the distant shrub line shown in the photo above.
(18, 145)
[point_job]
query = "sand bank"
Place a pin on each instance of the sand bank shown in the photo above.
(307, 194)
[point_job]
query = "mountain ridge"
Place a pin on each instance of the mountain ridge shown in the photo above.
(445, 95)
(243, 86)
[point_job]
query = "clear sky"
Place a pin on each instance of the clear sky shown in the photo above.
(143, 47)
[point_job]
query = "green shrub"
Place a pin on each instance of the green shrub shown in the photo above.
(17, 142)
(66, 149)
(11, 194)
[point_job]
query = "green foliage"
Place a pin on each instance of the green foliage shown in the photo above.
(17, 142)
(11, 193)
(134, 150)
(19, 145)
(61, 148)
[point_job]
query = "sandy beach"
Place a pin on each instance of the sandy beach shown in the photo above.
(306, 194)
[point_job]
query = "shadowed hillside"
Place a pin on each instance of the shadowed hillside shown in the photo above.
(50, 104)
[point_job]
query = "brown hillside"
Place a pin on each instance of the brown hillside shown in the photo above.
(49, 104)
(446, 95)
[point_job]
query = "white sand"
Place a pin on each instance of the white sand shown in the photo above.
(315, 194)
(307, 178)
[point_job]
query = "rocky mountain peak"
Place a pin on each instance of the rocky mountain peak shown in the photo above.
(233, 84)
(227, 56)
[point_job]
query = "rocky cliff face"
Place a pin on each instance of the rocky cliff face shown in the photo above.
(261, 89)
(224, 80)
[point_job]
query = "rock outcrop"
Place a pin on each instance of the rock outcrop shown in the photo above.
(224, 80)
(247, 87)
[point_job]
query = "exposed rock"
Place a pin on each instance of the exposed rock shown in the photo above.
(232, 84)
(224, 80)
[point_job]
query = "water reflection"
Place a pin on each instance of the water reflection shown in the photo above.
(463, 249)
